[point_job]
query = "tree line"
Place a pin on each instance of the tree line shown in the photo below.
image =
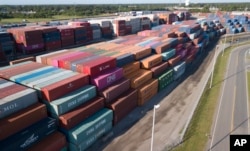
(48, 11)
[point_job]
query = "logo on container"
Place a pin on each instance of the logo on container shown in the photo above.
(70, 85)
(29, 141)
(111, 78)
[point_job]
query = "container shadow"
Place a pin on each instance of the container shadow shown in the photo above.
(133, 117)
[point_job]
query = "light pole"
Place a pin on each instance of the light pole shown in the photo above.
(212, 74)
(224, 44)
(153, 126)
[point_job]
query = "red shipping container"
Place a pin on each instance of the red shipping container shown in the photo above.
(74, 117)
(22, 119)
(52, 57)
(54, 142)
(65, 63)
(97, 66)
(10, 90)
(47, 29)
(158, 70)
(59, 89)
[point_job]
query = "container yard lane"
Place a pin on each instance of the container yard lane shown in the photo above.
(232, 116)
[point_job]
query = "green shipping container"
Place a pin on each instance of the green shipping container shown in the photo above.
(165, 79)
(167, 55)
(71, 100)
(89, 127)
(91, 139)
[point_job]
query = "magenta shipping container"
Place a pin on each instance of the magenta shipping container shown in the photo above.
(107, 78)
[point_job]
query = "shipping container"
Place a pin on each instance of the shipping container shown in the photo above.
(139, 78)
(169, 54)
(25, 138)
(15, 98)
(173, 61)
(165, 79)
(71, 100)
(160, 69)
(115, 90)
(89, 127)
(58, 89)
(179, 70)
(131, 68)
(91, 139)
(151, 61)
(31, 115)
(123, 105)
(97, 67)
(53, 142)
(82, 112)
(107, 78)
(147, 91)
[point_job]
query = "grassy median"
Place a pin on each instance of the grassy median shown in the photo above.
(199, 130)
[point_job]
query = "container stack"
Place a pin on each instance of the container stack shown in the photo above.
(135, 23)
(168, 18)
(106, 27)
(29, 40)
(154, 19)
(80, 35)
(97, 34)
(7, 46)
(51, 37)
(119, 27)
(14, 111)
(145, 23)
(67, 35)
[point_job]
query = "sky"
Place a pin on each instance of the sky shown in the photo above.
(37, 2)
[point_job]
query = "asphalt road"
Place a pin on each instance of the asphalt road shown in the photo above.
(232, 116)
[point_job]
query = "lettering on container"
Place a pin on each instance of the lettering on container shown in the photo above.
(100, 124)
(90, 131)
(76, 101)
(111, 78)
(104, 67)
(29, 141)
(9, 107)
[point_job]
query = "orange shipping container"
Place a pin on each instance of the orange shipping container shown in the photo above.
(174, 60)
(151, 61)
(147, 91)
(131, 68)
(139, 78)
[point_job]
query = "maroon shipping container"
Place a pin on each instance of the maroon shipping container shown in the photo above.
(22, 119)
(20, 70)
(68, 42)
(158, 70)
(112, 92)
(47, 29)
(53, 45)
(66, 31)
(97, 66)
(124, 105)
(74, 117)
(59, 89)
(54, 142)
